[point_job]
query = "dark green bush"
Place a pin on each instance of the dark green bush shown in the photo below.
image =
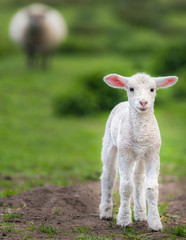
(76, 103)
(143, 13)
(94, 96)
(169, 60)
(172, 61)
(106, 96)
(179, 91)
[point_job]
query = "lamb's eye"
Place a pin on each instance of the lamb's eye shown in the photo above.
(131, 89)
(152, 89)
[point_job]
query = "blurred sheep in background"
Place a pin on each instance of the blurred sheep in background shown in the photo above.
(38, 29)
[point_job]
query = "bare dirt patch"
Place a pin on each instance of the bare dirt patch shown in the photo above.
(54, 212)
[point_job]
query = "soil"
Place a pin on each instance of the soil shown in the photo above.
(74, 212)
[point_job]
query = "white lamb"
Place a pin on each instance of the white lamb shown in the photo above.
(38, 29)
(132, 142)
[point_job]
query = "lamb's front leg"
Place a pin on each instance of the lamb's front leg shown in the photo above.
(139, 191)
(126, 188)
(152, 168)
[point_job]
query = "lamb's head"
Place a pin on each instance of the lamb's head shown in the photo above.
(141, 88)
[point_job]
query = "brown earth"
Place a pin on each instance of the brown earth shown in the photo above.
(74, 212)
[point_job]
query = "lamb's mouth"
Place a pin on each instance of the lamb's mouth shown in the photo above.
(142, 109)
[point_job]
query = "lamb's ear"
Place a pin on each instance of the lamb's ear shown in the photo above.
(116, 81)
(164, 82)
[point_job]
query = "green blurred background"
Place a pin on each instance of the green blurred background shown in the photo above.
(52, 122)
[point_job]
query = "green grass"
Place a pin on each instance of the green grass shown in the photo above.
(92, 238)
(178, 231)
(84, 234)
(35, 142)
(49, 230)
(172, 126)
(58, 212)
(38, 147)
(7, 228)
(163, 209)
(9, 217)
(82, 230)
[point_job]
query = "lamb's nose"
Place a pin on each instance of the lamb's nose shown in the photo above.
(143, 104)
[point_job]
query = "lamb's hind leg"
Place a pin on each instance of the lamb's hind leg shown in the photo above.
(152, 169)
(139, 191)
(108, 179)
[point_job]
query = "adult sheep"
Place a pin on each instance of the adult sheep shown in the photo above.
(132, 142)
(38, 29)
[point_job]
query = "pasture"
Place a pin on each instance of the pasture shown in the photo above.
(39, 145)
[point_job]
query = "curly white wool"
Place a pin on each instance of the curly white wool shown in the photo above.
(132, 143)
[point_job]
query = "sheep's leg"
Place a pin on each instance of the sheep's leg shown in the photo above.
(139, 191)
(152, 171)
(30, 52)
(108, 180)
(126, 189)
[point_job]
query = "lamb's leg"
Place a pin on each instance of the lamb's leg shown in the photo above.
(108, 180)
(152, 169)
(126, 188)
(139, 191)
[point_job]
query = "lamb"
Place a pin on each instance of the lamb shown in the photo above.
(132, 142)
(38, 29)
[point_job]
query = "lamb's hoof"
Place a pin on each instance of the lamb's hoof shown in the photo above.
(155, 226)
(124, 222)
(141, 218)
(124, 225)
(106, 212)
(153, 230)
(128, 226)
(106, 215)
(106, 218)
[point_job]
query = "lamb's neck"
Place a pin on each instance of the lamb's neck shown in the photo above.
(141, 123)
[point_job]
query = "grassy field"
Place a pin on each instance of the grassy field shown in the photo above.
(37, 145)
